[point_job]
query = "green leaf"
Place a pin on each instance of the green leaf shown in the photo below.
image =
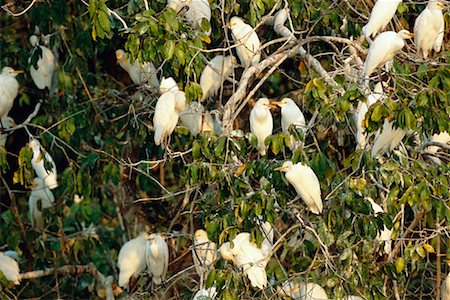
(169, 49)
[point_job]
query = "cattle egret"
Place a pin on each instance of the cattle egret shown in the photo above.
(197, 11)
(445, 288)
(157, 256)
(9, 88)
(381, 15)
(360, 114)
(177, 5)
(354, 298)
(205, 294)
(10, 268)
(246, 255)
(385, 234)
(6, 123)
(139, 72)
(204, 252)
(306, 184)
(131, 260)
(48, 175)
(428, 27)
(39, 193)
(196, 119)
(261, 123)
(247, 42)
(443, 138)
(383, 50)
(302, 291)
(168, 109)
(291, 115)
(12, 254)
(388, 139)
(46, 64)
(215, 73)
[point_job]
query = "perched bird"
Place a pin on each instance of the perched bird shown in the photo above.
(42, 76)
(381, 15)
(443, 138)
(177, 5)
(131, 260)
(205, 294)
(429, 28)
(157, 256)
(385, 234)
(261, 123)
(6, 123)
(198, 10)
(10, 268)
(215, 73)
(445, 288)
(360, 114)
(291, 115)
(48, 175)
(9, 88)
(300, 290)
(196, 119)
(247, 42)
(246, 255)
(168, 109)
(306, 184)
(383, 50)
(139, 72)
(204, 252)
(39, 193)
(388, 139)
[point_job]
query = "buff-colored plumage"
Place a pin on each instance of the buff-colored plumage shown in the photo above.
(428, 28)
(204, 252)
(381, 15)
(247, 42)
(10, 268)
(139, 72)
(42, 76)
(157, 256)
(131, 260)
(48, 175)
(40, 197)
(261, 123)
(9, 88)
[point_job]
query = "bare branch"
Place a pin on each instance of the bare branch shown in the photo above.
(5, 7)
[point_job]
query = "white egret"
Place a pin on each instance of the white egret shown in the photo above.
(139, 72)
(388, 139)
(385, 234)
(247, 42)
(157, 256)
(383, 50)
(9, 88)
(177, 5)
(42, 76)
(360, 114)
(306, 184)
(268, 232)
(428, 28)
(246, 255)
(291, 115)
(381, 15)
(204, 252)
(300, 290)
(39, 193)
(445, 288)
(6, 123)
(351, 297)
(198, 10)
(261, 123)
(205, 294)
(215, 73)
(196, 119)
(443, 138)
(10, 268)
(48, 175)
(131, 260)
(168, 109)
(12, 254)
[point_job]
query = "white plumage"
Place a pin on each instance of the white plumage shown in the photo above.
(443, 138)
(215, 73)
(157, 256)
(139, 72)
(131, 260)
(204, 252)
(40, 197)
(49, 176)
(429, 27)
(198, 10)
(6, 123)
(209, 293)
(10, 268)
(383, 49)
(388, 139)
(306, 184)
(445, 288)
(300, 290)
(291, 115)
(247, 42)
(246, 255)
(261, 123)
(9, 88)
(168, 109)
(42, 76)
(385, 234)
(381, 15)
(196, 119)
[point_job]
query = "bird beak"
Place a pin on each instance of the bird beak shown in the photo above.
(281, 168)
(270, 106)
(411, 34)
(18, 71)
(231, 25)
(279, 103)
(441, 5)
